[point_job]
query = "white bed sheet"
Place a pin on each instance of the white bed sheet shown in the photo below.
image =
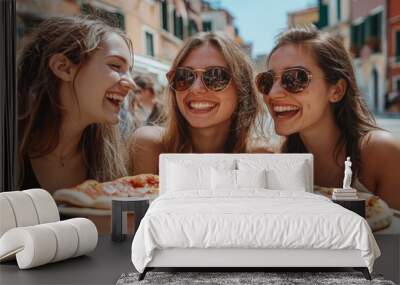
(251, 218)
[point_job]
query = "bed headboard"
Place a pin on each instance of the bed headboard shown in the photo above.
(251, 160)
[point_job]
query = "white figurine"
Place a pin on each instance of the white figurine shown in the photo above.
(347, 174)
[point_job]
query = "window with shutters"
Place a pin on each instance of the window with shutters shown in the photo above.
(178, 25)
(164, 15)
(323, 14)
(374, 32)
(207, 26)
(397, 47)
(149, 43)
(192, 27)
(397, 86)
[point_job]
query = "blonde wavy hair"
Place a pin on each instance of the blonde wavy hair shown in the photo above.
(176, 138)
(39, 109)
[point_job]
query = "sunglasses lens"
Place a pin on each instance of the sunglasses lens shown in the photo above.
(264, 82)
(182, 79)
(216, 78)
(295, 80)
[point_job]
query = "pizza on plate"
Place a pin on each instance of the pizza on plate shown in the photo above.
(93, 194)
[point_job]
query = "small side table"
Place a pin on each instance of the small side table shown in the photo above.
(357, 206)
(120, 207)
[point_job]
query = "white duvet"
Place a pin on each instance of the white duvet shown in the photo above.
(251, 218)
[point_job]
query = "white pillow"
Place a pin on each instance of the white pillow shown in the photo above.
(223, 179)
(282, 173)
(292, 179)
(183, 178)
(251, 179)
(236, 179)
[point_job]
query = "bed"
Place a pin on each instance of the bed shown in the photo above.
(246, 211)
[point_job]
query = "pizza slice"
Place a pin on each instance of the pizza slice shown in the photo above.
(93, 194)
(377, 212)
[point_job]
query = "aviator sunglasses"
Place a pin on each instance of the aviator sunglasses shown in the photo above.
(214, 78)
(293, 80)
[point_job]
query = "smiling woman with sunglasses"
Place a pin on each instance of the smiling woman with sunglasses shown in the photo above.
(311, 92)
(212, 105)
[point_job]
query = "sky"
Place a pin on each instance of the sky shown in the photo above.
(259, 21)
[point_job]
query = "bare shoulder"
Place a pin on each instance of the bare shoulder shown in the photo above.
(262, 149)
(380, 145)
(147, 135)
(144, 149)
(260, 145)
(380, 158)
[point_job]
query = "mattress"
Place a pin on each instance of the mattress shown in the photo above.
(250, 219)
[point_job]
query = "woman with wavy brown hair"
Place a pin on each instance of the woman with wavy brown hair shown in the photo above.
(73, 75)
(311, 92)
(212, 104)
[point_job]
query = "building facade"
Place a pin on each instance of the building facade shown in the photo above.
(335, 18)
(157, 28)
(303, 17)
(215, 18)
(260, 63)
(368, 44)
(362, 27)
(393, 46)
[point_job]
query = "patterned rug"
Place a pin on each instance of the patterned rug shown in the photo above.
(230, 278)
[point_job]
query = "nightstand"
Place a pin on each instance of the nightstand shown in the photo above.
(357, 206)
(120, 208)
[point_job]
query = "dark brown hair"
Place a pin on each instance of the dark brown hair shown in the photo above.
(39, 110)
(144, 82)
(177, 135)
(351, 114)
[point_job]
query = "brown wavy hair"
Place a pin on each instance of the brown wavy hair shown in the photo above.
(246, 117)
(351, 113)
(39, 109)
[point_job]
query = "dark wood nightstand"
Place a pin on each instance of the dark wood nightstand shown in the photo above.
(120, 207)
(357, 206)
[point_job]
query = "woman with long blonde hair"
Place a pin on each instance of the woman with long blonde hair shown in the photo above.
(72, 78)
(212, 104)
